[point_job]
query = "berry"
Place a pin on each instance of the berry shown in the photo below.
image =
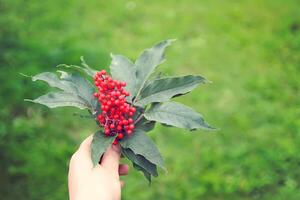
(96, 95)
(107, 131)
(119, 128)
(116, 115)
(130, 120)
(131, 127)
(112, 126)
(120, 136)
(115, 142)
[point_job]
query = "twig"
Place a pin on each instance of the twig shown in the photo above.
(139, 118)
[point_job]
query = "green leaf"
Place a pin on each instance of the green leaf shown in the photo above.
(70, 83)
(164, 89)
(148, 61)
(60, 99)
(83, 87)
(54, 81)
(145, 125)
(85, 67)
(146, 174)
(142, 145)
(141, 161)
(122, 69)
(100, 144)
(176, 114)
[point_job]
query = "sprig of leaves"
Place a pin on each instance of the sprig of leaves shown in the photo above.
(151, 97)
(75, 91)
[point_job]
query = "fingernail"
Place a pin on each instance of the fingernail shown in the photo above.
(116, 148)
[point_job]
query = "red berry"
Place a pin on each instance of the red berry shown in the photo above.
(119, 128)
(120, 136)
(130, 120)
(115, 142)
(112, 126)
(116, 112)
(107, 131)
(96, 95)
(123, 84)
(132, 109)
(116, 116)
(117, 102)
(131, 126)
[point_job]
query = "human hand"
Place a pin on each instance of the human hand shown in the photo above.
(101, 182)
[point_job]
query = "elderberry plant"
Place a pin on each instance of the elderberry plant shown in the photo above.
(127, 104)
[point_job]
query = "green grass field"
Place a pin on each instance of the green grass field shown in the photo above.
(250, 50)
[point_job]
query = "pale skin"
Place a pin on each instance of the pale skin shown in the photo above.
(101, 182)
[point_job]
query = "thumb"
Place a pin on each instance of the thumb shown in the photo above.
(111, 158)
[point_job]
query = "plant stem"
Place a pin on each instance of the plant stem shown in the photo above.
(139, 118)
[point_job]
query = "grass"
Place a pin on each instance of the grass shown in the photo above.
(248, 49)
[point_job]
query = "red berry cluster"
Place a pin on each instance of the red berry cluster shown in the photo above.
(116, 115)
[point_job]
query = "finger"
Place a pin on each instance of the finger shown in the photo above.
(122, 183)
(123, 169)
(111, 158)
(82, 155)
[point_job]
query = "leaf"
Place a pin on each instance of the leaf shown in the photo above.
(122, 69)
(145, 125)
(83, 87)
(142, 145)
(100, 143)
(54, 81)
(70, 83)
(164, 89)
(176, 114)
(85, 67)
(146, 174)
(141, 161)
(60, 99)
(148, 61)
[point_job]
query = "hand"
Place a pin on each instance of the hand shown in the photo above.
(101, 182)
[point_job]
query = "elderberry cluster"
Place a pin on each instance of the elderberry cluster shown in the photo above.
(116, 115)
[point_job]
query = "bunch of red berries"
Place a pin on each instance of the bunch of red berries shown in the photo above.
(116, 115)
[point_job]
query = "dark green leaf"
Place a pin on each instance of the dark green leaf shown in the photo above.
(146, 174)
(148, 61)
(83, 87)
(161, 90)
(100, 144)
(54, 81)
(122, 69)
(145, 124)
(85, 67)
(141, 161)
(70, 83)
(59, 99)
(142, 145)
(178, 115)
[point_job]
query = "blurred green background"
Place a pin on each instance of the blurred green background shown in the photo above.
(250, 49)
